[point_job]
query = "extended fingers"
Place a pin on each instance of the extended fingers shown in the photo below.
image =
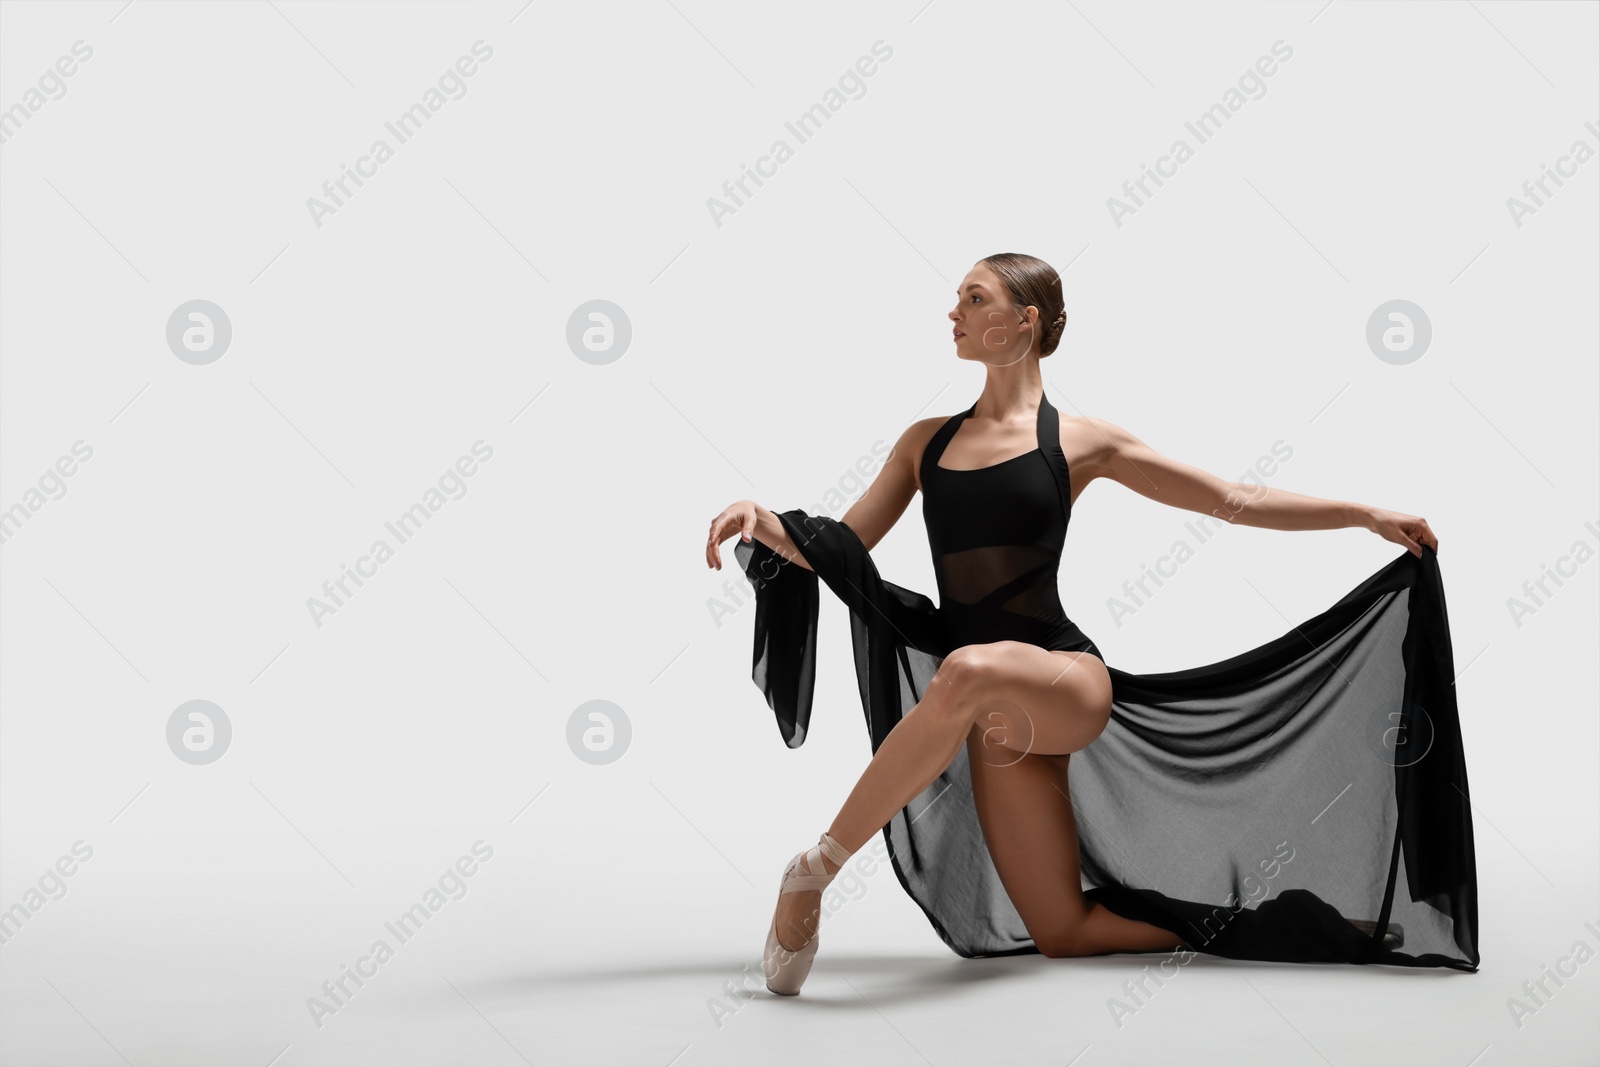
(720, 531)
(713, 557)
(1400, 534)
(1410, 542)
(1423, 534)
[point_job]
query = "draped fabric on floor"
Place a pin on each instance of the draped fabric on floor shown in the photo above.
(1251, 806)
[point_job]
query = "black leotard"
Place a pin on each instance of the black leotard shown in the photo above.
(996, 534)
(1249, 806)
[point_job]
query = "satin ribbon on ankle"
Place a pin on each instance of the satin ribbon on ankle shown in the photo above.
(802, 876)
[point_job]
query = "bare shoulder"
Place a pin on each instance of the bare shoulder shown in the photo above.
(1090, 445)
(913, 443)
(890, 493)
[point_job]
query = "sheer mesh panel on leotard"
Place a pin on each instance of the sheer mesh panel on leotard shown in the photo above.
(996, 535)
(1020, 579)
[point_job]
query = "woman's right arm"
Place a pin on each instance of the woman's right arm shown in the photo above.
(752, 522)
(869, 518)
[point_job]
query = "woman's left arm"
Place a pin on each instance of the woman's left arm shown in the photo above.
(1127, 460)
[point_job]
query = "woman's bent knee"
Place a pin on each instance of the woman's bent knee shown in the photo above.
(1061, 945)
(966, 665)
(963, 674)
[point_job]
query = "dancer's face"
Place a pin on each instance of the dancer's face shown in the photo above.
(987, 326)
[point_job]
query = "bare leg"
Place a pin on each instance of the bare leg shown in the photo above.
(1035, 701)
(917, 751)
(1025, 809)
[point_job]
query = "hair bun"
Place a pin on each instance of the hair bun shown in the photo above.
(1034, 288)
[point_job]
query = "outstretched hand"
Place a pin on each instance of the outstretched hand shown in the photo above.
(737, 518)
(1412, 531)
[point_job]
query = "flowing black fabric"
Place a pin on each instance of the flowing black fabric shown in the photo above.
(1250, 806)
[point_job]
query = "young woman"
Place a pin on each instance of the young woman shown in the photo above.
(1018, 684)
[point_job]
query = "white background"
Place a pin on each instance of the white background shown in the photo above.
(768, 354)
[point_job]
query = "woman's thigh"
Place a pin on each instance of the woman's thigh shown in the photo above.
(1018, 754)
(1027, 699)
(1026, 815)
(1034, 708)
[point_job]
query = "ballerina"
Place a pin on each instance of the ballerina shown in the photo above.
(1020, 686)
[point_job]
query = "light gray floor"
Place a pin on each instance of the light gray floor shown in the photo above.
(204, 950)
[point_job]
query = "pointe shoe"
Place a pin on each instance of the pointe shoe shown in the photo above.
(1394, 934)
(786, 970)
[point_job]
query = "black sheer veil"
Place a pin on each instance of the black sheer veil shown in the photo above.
(1251, 806)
